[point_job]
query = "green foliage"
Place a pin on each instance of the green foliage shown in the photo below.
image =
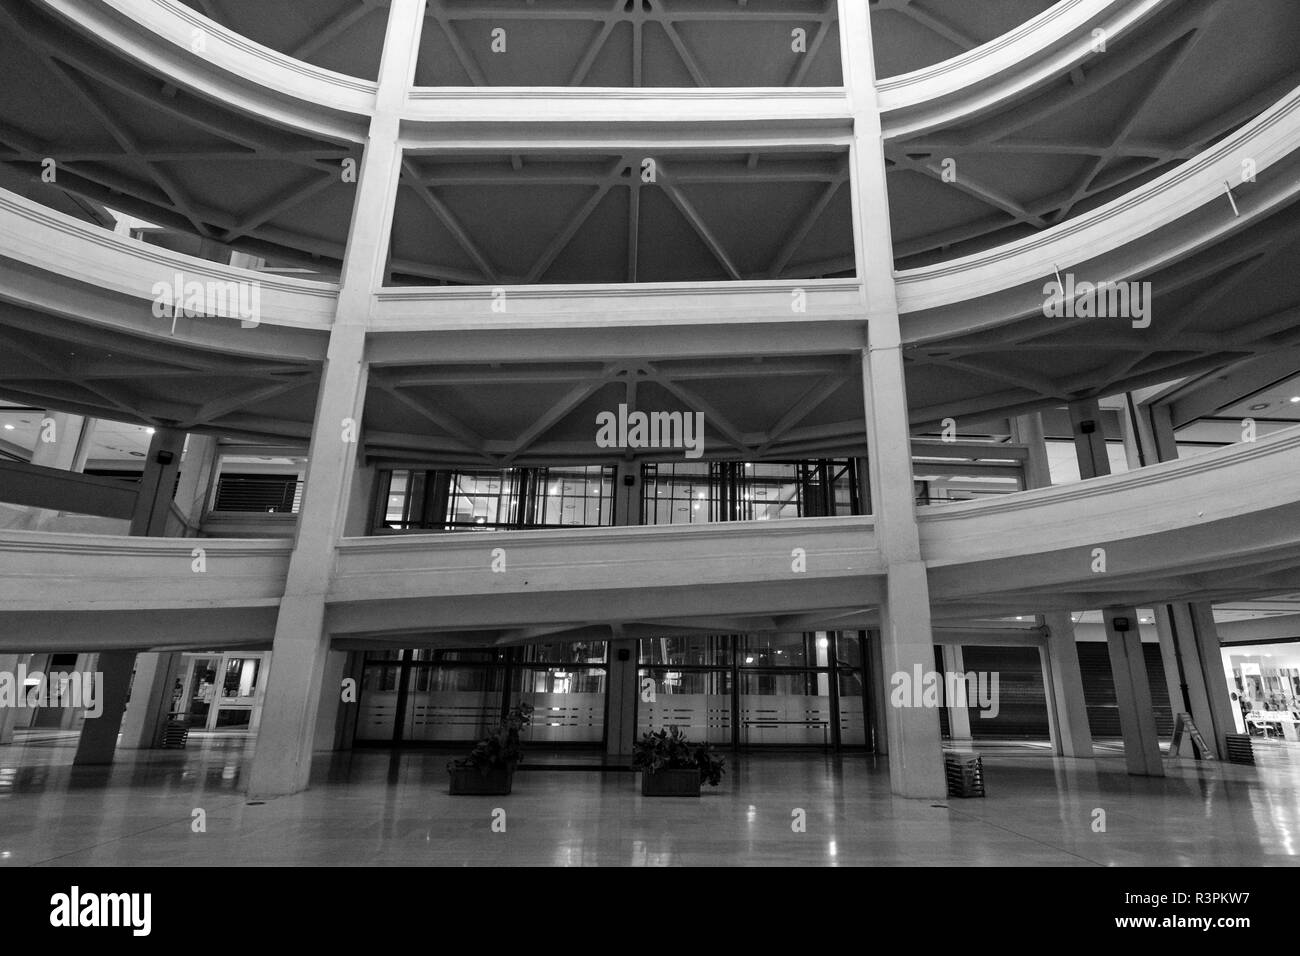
(670, 750)
(500, 749)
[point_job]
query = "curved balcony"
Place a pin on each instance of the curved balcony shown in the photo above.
(1270, 140)
(1222, 525)
(228, 67)
(95, 592)
(44, 241)
(1050, 45)
(621, 574)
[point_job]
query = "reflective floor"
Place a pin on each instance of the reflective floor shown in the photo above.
(369, 807)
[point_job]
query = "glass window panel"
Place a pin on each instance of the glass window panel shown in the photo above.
(377, 713)
(475, 655)
(382, 679)
(693, 651)
(453, 703)
(785, 709)
(775, 650)
(576, 497)
(483, 500)
(576, 652)
(568, 703)
(848, 649)
(853, 706)
(395, 509)
(698, 702)
(678, 493)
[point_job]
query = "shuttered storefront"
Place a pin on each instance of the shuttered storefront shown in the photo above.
(1099, 690)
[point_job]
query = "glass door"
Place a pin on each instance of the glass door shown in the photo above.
(237, 693)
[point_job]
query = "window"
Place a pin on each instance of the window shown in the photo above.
(511, 499)
(695, 492)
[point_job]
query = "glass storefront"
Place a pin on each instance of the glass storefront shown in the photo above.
(795, 690)
(802, 690)
(1264, 680)
(455, 696)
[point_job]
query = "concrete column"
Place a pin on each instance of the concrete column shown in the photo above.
(915, 750)
(1089, 438)
(330, 711)
(1177, 629)
(864, 485)
(156, 674)
(1169, 653)
(1027, 430)
(1187, 631)
(282, 762)
(85, 663)
(1072, 735)
(151, 700)
(98, 740)
(1062, 676)
(1221, 710)
(361, 502)
(153, 508)
(8, 665)
(623, 690)
(958, 717)
(300, 649)
(1133, 693)
(26, 717)
(620, 721)
(1127, 427)
(1162, 434)
(153, 513)
(627, 497)
(878, 689)
(198, 470)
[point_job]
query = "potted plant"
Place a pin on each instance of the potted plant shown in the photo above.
(490, 767)
(672, 766)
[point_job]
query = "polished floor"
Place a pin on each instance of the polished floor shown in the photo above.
(380, 807)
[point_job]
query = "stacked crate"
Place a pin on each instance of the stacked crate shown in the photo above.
(965, 773)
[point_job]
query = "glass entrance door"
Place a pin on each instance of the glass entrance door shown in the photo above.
(223, 691)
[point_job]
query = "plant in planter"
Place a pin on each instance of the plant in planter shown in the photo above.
(672, 766)
(490, 766)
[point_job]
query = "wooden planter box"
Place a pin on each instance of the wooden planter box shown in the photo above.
(471, 782)
(671, 783)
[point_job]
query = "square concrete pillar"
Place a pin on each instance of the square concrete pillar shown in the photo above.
(620, 725)
(1136, 715)
(99, 734)
(1064, 680)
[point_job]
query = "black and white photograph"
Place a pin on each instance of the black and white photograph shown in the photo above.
(630, 434)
